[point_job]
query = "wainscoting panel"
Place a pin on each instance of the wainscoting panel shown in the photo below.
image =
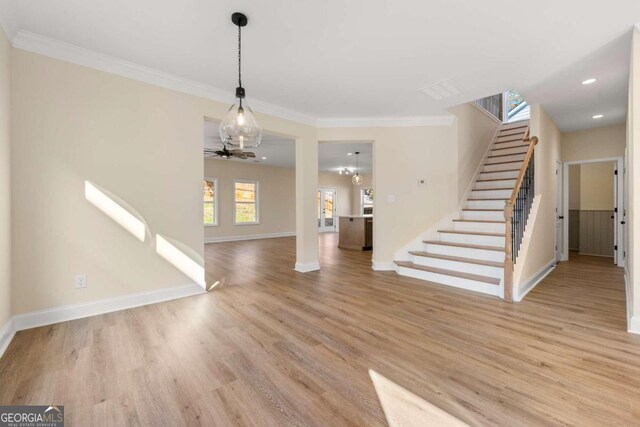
(574, 230)
(596, 233)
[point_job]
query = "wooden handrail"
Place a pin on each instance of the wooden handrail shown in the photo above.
(508, 216)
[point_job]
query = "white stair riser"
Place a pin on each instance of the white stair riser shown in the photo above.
(464, 267)
(499, 175)
(515, 150)
(472, 239)
(503, 183)
(465, 252)
(457, 282)
(509, 134)
(486, 227)
(501, 167)
(505, 144)
(511, 158)
(491, 194)
(488, 215)
(485, 204)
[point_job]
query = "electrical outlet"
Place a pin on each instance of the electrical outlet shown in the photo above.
(81, 281)
(422, 182)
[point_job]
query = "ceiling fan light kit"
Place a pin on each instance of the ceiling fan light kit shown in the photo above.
(239, 128)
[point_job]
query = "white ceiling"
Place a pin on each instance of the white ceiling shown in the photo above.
(281, 152)
(362, 58)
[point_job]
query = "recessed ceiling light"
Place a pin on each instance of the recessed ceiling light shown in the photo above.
(589, 81)
(598, 116)
(264, 158)
(349, 154)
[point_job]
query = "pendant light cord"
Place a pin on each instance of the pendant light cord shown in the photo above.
(239, 56)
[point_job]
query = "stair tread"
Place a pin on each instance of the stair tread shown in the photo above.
(505, 142)
(485, 200)
(464, 245)
(515, 127)
(506, 155)
(468, 276)
(472, 233)
(484, 221)
(457, 258)
(496, 179)
(492, 189)
(482, 210)
(506, 170)
(502, 163)
(510, 148)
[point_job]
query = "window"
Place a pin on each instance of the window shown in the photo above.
(245, 206)
(366, 200)
(210, 201)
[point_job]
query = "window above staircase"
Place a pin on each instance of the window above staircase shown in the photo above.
(507, 107)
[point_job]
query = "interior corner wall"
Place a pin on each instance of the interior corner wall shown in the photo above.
(633, 182)
(141, 143)
(540, 254)
(475, 131)
(276, 199)
(401, 156)
(5, 181)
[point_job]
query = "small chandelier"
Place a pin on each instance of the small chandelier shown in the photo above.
(357, 179)
(239, 128)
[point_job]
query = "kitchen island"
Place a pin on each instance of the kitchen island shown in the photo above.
(356, 232)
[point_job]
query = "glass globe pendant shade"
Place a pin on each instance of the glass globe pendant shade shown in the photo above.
(356, 179)
(239, 128)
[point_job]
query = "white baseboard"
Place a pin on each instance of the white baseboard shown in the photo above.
(383, 265)
(634, 325)
(6, 335)
(305, 267)
(533, 281)
(247, 237)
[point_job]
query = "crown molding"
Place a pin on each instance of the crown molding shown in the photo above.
(42, 45)
(36, 43)
(361, 122)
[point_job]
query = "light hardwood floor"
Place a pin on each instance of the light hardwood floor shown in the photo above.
(270, 346)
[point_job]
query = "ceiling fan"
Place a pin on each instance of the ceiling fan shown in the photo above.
(229, 154)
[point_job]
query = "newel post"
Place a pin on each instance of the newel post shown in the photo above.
(508, 259)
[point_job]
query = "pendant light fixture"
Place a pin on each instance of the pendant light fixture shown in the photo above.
(357, 179)
(239, 128)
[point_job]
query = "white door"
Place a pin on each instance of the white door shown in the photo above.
(327, 210)
(559, 212)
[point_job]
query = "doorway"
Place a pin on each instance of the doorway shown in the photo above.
(593, 209)
(327, 210)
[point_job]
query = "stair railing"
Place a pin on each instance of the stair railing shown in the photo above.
(516, 213)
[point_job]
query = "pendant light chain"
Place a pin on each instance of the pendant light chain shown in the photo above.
(239, 56)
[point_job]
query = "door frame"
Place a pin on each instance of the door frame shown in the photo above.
(560, 214)
(321, 228)
(619, 198)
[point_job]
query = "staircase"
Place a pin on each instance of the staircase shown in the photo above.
(470, 253)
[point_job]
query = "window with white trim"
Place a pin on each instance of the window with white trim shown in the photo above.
(245, 203)
(210, 201)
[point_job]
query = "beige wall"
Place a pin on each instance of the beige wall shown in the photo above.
(401, 156)
(5, 182)
(633, 182)
(140, 142)
(475, 131)
(574, 187)
(597, 143)
(344, 188)
(596, 186)
(538, 254)
(367, 182)
(276, 198)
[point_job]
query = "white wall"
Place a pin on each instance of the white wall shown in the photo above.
(475, 130)
(367, 182)
(536, 255)
(141, 143)
(574, 187)
(276, 198)
(633, 182)
(5, 182)
(596, 143)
